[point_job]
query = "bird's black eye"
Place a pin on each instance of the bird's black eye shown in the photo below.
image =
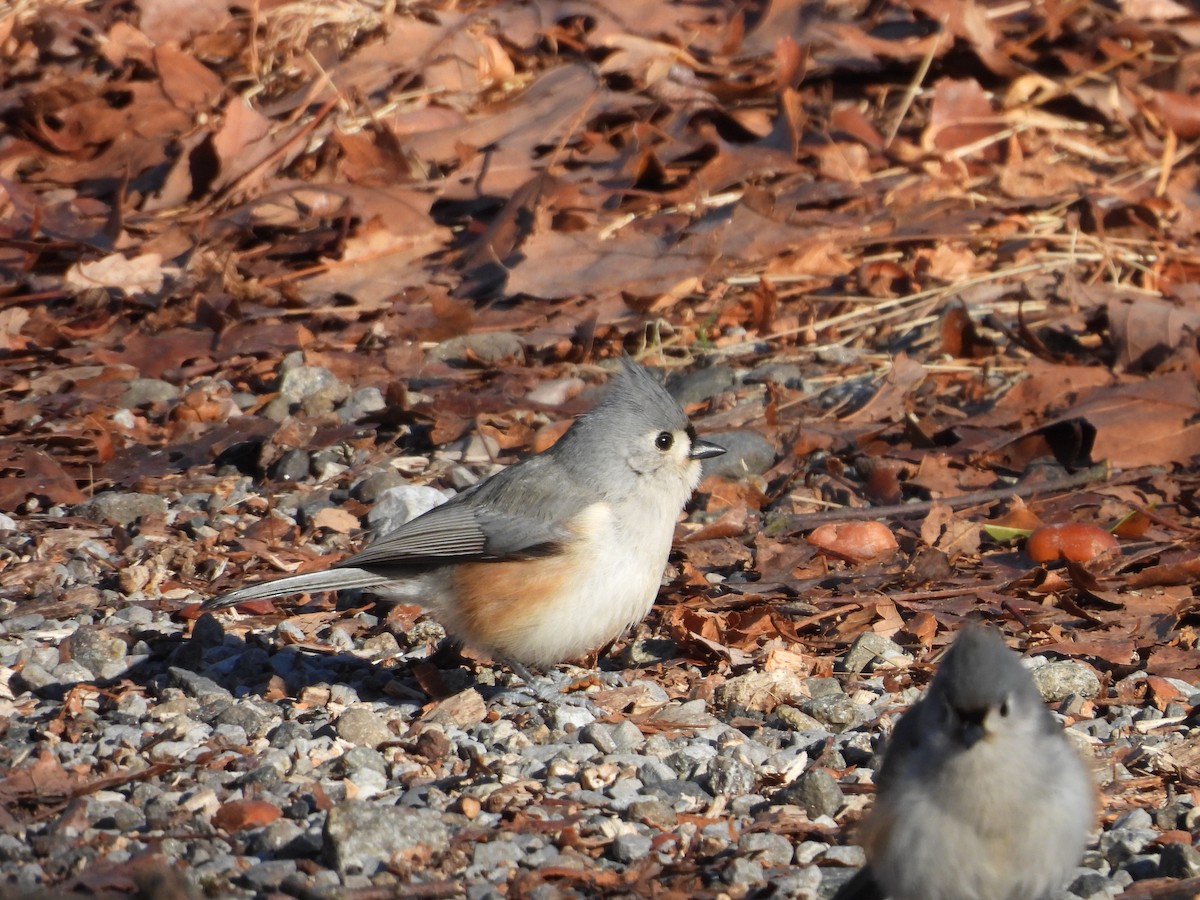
(664, 440)
(1004, 710)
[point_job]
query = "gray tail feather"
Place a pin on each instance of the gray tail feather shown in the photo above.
(326, 580)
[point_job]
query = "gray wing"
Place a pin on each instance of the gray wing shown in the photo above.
(904, 741)
(523, 511)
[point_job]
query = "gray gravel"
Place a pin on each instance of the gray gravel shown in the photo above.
(275, 757)
(370, 784)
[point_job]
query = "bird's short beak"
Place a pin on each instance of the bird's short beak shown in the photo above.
(704, 450)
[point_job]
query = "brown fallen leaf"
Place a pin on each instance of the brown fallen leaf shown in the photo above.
(139, 275)
(43, 476)
(336, 519)
(241, 814)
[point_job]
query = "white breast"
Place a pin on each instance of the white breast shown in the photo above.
(620, 564)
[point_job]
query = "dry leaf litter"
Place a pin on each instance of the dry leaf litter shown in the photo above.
(273, 280)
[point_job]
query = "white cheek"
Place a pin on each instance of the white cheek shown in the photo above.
(691, 468)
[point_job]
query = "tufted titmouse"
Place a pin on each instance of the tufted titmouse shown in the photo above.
(551, 557)
(980, 795)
